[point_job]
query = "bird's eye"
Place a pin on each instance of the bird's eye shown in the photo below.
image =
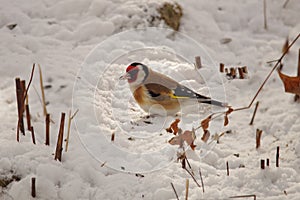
(133, 72)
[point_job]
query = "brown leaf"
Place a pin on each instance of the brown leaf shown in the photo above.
(187, 136)
(173, 127)
(205, 122)
(291, 84)
(205, 136)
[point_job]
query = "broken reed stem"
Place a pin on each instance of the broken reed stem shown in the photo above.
(198, 62)
(186, 189)
(258, 136)
(28, 117)
(112, 137)
(42, 90)
(69, 128)
(47, 142)
(201, 180)
(183, 164)
(227, 167)
(20, 105)
(269, 75)
(22, 102)
(277, 157)
(175, 191)
(245, 70)
(254, 113)
(265, 15)
(58, 152)
(244, 196)
(297, 97)
(33, 190)
(241, 73)
(222, 67)
(32, 134)
(262, 164)
(233, 72)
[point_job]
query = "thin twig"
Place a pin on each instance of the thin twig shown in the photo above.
(190, 173)
(254, 113)
(175, 191)
(42, 90)
(268, 76)
(188, 162)
(244, 196)
(69, 127)
(201, 179)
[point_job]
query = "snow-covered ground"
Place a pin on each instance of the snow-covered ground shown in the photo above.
(84, 46)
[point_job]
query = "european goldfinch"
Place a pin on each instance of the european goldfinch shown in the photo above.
(158, 94)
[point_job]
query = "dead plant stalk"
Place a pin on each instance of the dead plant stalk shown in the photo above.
(69, 127)
(23, 100)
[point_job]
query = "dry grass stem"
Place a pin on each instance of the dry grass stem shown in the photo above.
(244, 196)
(187, 189)
(69, 127)
(258, 136)
(175, 191)
(58, 152)
(47, 142)
(277, 157)
(202, 183)
(43, 92)
(32, 134)
(254, 113)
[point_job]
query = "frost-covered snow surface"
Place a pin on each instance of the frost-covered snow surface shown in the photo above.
(83, 48)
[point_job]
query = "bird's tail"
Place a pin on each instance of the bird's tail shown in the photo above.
(204, 99)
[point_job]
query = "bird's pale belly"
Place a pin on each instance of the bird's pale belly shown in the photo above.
(150, 105)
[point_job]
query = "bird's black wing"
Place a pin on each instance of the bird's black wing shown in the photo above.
(183, 92)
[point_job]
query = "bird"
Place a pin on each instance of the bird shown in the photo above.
(159, 94)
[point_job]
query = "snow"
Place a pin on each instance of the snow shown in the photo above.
(83, 48)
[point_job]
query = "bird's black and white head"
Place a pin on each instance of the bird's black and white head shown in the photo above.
(136, 74)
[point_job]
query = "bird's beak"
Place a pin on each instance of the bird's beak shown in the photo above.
(125, 76)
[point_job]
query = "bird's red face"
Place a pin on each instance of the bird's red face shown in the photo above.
(132, 73)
